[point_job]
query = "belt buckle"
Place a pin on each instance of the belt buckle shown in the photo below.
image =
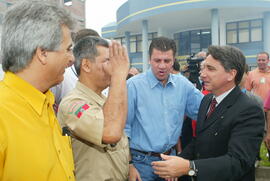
(168, 152)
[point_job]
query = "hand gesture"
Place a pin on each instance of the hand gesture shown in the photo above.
(133, 174)
(171, 167)
(119, 61)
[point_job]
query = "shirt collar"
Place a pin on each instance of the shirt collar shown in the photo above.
(154, 81)
(89, 92)
(222, 96)
(28, 92)
(268, 70)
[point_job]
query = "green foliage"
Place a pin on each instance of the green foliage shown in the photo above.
(265, 159)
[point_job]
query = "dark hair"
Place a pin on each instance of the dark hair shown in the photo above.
(163, 44)
(129, 76)
(230, 58)
(246, 68)
(83, 33)
(86, 48)
(176, 66)
(267, 54)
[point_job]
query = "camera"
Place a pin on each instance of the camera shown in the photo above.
(194, 70)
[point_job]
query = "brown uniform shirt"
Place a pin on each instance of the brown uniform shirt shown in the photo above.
(81, 110)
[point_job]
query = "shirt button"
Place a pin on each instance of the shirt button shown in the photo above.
(59, 151)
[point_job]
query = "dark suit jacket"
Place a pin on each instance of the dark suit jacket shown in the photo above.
(228, 141)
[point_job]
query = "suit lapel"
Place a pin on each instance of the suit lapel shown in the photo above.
(203, 110)
(219, 111)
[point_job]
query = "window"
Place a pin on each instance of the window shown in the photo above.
(191, 42)
(136, 42)
(68, 2)
(244, 31)
(121, 40)
(232, 36)
(151, 36)
(132, 45)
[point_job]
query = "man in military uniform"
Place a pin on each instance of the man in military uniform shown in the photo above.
(100, 146)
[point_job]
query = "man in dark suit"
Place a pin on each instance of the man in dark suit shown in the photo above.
(229, 132)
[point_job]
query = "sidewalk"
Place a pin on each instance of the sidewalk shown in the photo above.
(262, 173)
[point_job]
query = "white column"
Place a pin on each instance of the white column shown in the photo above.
(145, 44)
(215, 27)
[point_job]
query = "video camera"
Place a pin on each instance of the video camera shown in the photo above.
(194, 70)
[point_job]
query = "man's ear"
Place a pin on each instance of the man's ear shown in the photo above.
(232, 74)
(41, 55)
(86, 65)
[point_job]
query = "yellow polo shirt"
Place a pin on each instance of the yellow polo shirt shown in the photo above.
(31, 143)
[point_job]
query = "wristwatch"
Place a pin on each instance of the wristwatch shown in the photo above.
(192, 169)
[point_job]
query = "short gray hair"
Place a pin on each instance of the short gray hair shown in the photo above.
(86, 48)
(29, 25)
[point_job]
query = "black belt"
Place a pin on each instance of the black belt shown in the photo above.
(168, 152)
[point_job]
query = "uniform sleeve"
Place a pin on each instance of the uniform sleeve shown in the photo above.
(84, 119)
(131, 108)
(194, 98)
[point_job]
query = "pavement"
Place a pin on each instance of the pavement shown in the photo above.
(262, 173)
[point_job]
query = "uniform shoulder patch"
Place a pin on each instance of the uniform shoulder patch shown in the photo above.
(73, 106)
(79, 112)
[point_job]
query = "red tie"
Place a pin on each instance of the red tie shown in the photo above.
(212, 107)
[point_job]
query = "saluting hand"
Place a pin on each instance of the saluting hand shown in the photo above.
(119, 61)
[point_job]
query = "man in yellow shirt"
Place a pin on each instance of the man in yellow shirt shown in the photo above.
(36, 49)
(100, 146)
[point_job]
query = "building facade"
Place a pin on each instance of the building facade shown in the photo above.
(193, 24)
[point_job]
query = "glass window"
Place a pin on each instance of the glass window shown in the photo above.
(132, 44)
(231, 37)
(256, 34)
(68, 2)
(256, 23)
(205, 39)
(139, 46)
(244, 31)
(244, 24)
(195, 41)
(185, 43)
(243, 36)
(190, 42)
(177, 42)
(231, 26)
(121, 40)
